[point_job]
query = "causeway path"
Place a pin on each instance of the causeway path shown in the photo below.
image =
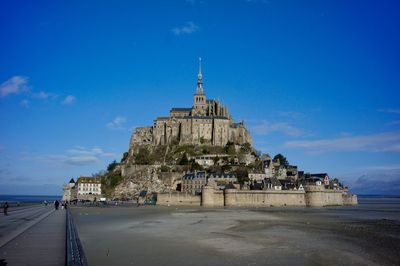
(33, 236)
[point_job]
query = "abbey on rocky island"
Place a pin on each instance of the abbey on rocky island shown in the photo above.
(206, 122)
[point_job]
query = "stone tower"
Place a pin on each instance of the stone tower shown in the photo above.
(199, 98)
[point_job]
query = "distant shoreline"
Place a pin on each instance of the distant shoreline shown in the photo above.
(377, 196)
(28, 198)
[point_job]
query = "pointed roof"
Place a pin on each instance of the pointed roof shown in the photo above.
(199, 89)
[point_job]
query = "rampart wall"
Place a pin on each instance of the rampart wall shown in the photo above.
(318, 196)
(349, 200)
(260, 198)
(212, 198)
(312, 196)
(178, 198)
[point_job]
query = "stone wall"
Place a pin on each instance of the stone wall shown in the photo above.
(349, 200)
(178, 198)
(264, 198)
(313, 196)
(318, 196)
(189, 130)
(133, 169)
(171, 179)
(212, 198)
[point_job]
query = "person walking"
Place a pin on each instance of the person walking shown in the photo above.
(56, 204)
(5, 208)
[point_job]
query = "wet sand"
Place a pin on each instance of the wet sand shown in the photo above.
(367, 234)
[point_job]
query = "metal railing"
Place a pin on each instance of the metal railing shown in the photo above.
(75, 256)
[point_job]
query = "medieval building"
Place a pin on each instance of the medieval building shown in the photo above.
(206, 122)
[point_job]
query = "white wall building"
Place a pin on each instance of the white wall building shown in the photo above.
(88, 186)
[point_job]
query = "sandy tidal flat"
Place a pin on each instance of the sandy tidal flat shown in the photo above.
(368, 234)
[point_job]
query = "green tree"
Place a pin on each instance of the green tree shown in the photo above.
(124, 157)
(205, 150)
(112, 166)
(216, 160)
(226, 168)
(242, 175)
(196, 166)
(164, 168)
(282, 159)
(143, 156)
(230, 148)
(246, 148)
(115, 180)
(184, 160)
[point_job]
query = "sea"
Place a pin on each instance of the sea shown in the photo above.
(28, 198)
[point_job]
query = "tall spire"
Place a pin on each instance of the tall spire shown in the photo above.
(200, 66)
(199, 89)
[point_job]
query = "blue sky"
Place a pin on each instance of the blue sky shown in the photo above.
(316, 80)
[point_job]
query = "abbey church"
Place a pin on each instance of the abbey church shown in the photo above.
(206, 122)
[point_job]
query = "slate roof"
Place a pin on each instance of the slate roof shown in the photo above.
(320, 175)
(203, 174)
(181, 109)
(162, 118)
(314, 179)
(221, 175)
(191, 176)
(84, 179)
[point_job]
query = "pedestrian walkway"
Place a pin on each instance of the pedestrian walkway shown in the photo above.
(19, 220)
(41, 244)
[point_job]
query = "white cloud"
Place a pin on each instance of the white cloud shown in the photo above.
(117, 123)
(393, 111)
(78, 150)
(188, 28)
(383, 142)
(41, 95)
(75, 156)
(14, 85)
(81, 160)
(25, 103)
(266, 128)
(19, 85)
(68, 100)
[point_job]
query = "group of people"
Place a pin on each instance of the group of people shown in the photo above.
(63, 204)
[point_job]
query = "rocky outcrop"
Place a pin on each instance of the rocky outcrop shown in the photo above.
(141, 178)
